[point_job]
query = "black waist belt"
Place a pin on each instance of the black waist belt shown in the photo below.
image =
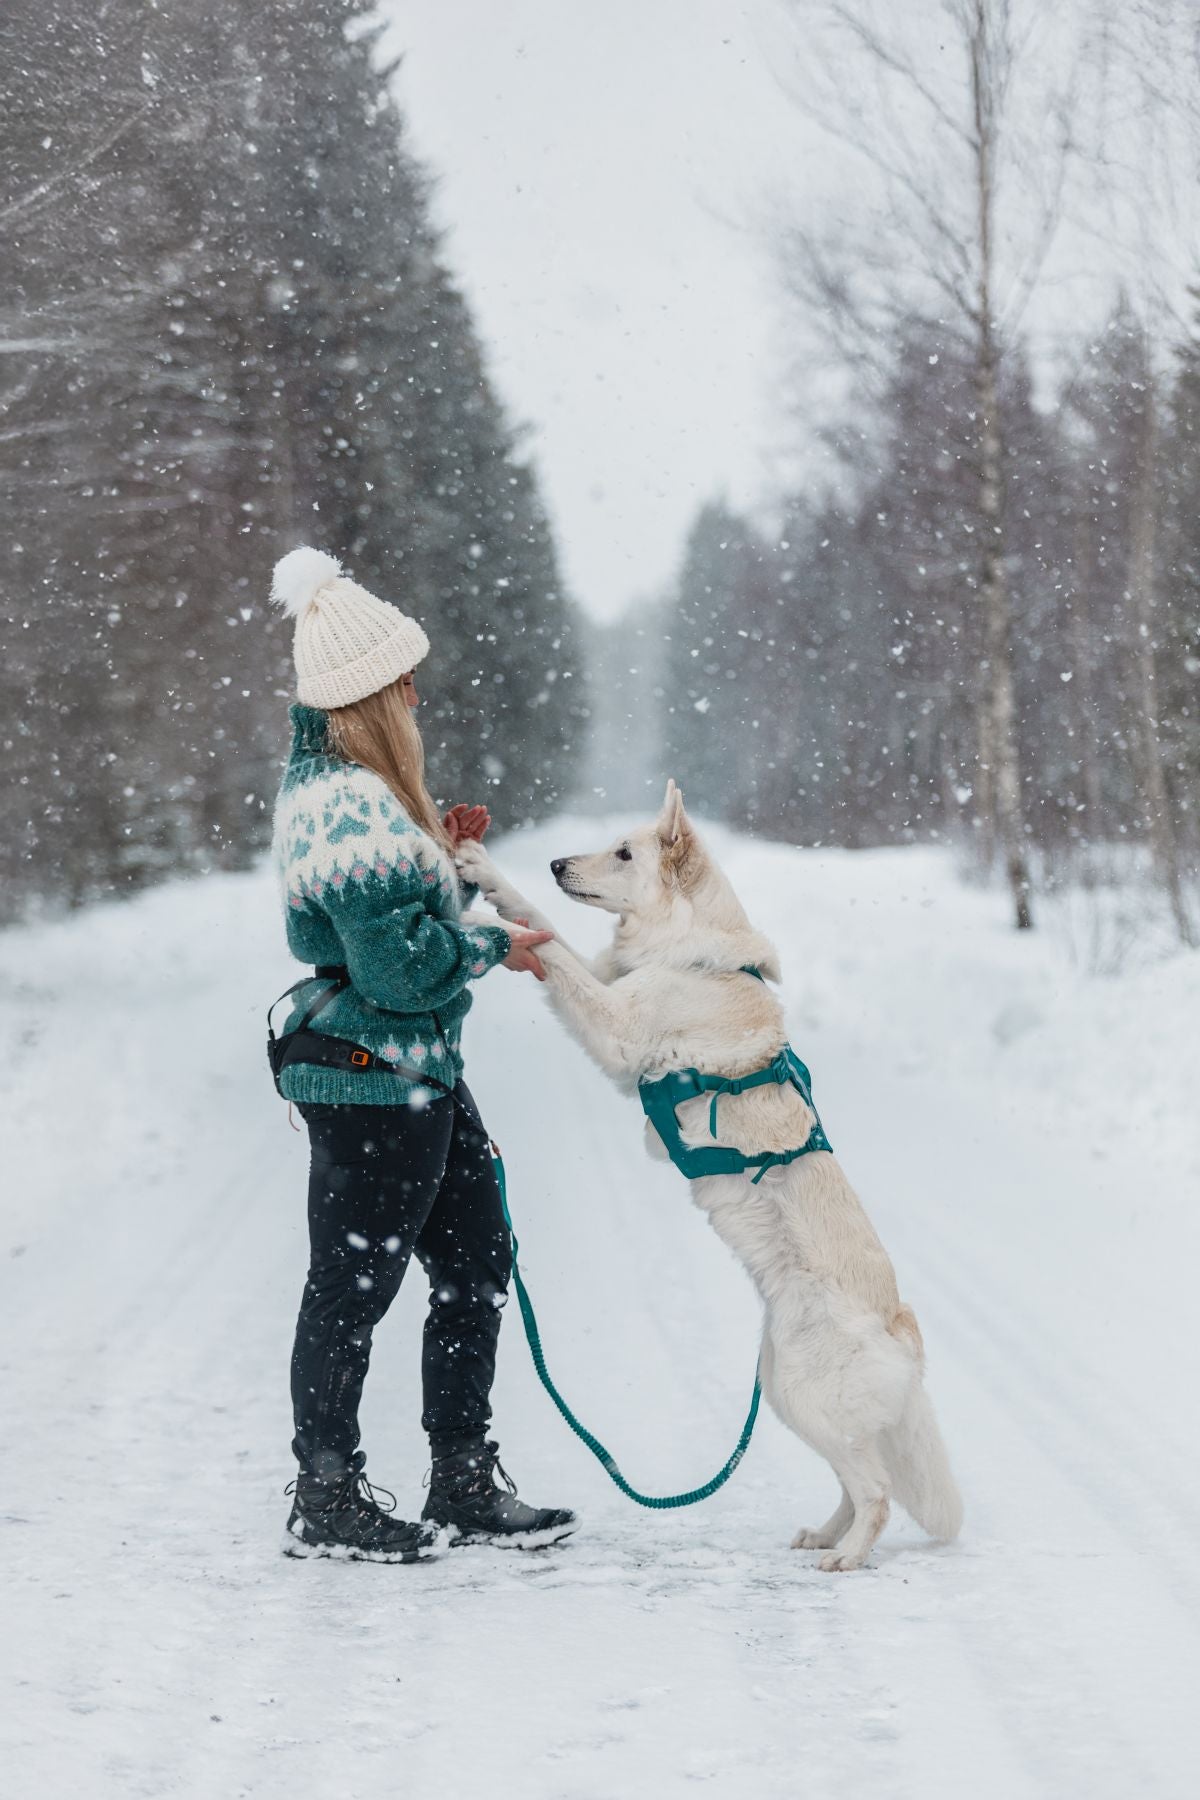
(302, 1045)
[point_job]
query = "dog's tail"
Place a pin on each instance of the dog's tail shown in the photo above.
(920, 1469)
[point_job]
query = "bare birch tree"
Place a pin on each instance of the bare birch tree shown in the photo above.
(1156, 810)
(960, 202)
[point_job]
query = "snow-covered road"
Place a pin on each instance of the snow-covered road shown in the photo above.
(1025, 1141)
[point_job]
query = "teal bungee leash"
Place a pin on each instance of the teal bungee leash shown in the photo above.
(660, 1502)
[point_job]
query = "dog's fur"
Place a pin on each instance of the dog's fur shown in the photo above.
(842, 1357)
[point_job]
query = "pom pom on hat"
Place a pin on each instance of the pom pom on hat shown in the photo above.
(298, 577)
(348, 643)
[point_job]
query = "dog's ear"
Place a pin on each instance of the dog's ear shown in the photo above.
(680, 845)
(672, 820)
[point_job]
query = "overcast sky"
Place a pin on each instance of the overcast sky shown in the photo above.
(594, 161)
(606, 170)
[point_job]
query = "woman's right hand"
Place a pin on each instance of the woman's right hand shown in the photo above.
(522, 953)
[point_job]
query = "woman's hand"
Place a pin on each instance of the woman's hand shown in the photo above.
(522, 955)
(464, 822)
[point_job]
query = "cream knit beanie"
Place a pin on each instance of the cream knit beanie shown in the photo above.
(348, 643)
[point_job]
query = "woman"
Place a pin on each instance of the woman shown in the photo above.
(400, 1165)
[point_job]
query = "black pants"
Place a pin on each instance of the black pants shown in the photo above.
(386, 1181)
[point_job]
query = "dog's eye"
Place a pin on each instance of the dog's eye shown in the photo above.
(624, 854)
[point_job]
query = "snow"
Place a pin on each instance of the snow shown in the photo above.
(1024, 1136)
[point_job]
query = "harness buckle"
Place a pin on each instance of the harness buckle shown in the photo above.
(360, 1058)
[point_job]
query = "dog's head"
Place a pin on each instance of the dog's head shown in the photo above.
(641, 871)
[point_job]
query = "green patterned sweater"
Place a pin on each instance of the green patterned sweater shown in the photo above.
(364, 886)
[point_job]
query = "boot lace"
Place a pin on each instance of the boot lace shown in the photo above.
(490, 1465)
(354, 1490)
(366, 1495)
(500, 1469)
(479, 1480)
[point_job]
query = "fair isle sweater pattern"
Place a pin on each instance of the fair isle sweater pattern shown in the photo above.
(366, 887)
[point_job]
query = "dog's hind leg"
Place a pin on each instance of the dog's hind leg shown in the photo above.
(823, 1537)
(864, 1476)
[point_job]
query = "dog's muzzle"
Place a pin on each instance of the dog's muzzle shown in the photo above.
(558, 868)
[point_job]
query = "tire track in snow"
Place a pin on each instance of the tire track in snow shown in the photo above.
(1068, 1696)
(1106, 1441)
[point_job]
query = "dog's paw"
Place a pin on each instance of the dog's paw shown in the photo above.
(477, 868)
(838, 1562)
(811, 1537)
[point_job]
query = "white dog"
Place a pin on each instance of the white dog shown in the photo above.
(841, 1356)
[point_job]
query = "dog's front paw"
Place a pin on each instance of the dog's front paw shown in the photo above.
(477, 868)
(812, 1537)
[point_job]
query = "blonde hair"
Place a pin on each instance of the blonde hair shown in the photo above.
(381, 733)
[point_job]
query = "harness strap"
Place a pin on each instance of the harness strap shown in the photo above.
(661, 1098)
(337, 978)
(329, 1052)
(780, 1071)
(322, 1047)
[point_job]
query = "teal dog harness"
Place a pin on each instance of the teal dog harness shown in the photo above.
(660, 1098)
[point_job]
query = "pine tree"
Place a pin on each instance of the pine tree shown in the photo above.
(242, 336)
(1179, 663)
(708, 665)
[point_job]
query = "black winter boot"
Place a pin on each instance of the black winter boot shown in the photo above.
(342, 1517)
(464, 1496)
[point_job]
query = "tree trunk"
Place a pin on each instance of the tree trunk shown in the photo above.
(998, 698)
(1159, 825)
(1085, 679)
(1000, 767)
